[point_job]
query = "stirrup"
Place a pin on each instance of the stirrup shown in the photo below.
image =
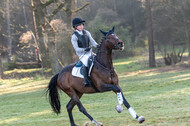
(86, 84)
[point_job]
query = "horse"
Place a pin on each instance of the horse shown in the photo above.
(103, 76)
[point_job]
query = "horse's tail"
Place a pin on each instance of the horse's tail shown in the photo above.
(54, 94)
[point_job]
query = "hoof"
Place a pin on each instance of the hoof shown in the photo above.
(97, 123)
(119, 108)
(141, 119)
(74, 125)
(87, 124)
(100, 124)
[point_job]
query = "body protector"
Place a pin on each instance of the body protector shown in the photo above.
(83, 40)
(80, 41)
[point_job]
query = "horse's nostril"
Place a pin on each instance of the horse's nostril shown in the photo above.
(120, 44)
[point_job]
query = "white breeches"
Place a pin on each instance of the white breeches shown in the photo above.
(84, 58)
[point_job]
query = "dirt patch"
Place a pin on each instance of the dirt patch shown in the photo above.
(164, 69)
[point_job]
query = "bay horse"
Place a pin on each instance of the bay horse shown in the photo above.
(103, 76)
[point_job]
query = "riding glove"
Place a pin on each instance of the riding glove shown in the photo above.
(98, 46)
(87, 49)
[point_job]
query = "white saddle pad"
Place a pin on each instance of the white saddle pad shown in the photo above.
(76, 71)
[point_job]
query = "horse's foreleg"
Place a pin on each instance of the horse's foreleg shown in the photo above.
(110, 87)
(140, 119)
(122, 100)
(117, 90)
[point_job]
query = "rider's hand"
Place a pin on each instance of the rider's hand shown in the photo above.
(87, 49)
(98, 46)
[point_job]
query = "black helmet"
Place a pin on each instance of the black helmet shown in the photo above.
(77, 21)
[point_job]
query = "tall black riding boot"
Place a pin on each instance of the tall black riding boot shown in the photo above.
(86, 83)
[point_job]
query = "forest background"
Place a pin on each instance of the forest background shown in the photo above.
(37, 32)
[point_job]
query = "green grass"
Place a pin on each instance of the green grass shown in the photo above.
(162, 97)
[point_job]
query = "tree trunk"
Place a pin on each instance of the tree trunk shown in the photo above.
(1, 69)
(38, 16)
(56, 67)
(9, 29)
(69, 52)
(150, 35)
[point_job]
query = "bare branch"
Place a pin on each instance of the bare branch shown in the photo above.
(78, 9)
(28, 5)
(48, 3)
(64, 9)
(55, 11)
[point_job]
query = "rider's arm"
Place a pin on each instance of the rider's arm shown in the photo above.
(92, 41)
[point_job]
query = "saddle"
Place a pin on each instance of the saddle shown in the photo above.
(77, 70)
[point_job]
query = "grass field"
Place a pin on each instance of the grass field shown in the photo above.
(161, 95)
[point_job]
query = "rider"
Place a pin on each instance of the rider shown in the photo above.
(80, 40)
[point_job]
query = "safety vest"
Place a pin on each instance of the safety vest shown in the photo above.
(83, 40)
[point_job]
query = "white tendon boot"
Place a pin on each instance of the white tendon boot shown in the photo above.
(119, 107)
(132, 112)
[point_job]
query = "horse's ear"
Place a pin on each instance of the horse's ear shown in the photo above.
(113, 28)
(103, 32)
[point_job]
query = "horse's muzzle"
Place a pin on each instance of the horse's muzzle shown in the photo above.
(121, 45)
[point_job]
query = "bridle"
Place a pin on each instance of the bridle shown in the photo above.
(115, 41)
(113, 45)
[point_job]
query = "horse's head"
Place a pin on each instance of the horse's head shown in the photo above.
(113, 42)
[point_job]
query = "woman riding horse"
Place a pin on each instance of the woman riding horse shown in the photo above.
(104, 78)
(80, 40)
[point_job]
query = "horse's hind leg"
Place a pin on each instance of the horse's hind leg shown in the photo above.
(75, 99)
(70, 107)
(83, 110)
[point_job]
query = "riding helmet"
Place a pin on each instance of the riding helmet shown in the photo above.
(77, 21)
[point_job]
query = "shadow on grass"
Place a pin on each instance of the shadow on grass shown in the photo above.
(23, 73)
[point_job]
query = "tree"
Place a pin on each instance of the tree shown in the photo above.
(171, 29)
(43, 28)
(127, 15)
(2, 44)
(1, 65)
(8, 28)
(186, 21)
(2, 38)
(150, 35)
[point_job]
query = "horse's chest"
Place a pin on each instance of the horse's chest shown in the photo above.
(111, 78)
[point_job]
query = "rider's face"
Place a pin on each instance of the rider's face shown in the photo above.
(80, 27)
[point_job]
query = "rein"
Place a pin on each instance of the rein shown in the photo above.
(111, 71)
(113, 45)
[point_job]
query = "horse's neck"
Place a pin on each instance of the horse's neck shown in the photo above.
(104, 56)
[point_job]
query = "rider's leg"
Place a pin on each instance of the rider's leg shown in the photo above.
(86, 83)
(84, 60)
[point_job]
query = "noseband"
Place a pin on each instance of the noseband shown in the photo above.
(113, 45)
